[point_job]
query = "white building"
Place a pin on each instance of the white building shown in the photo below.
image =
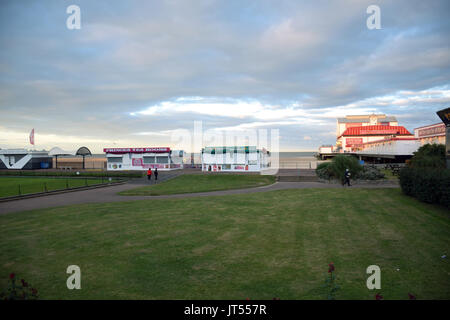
(235, 159)
(326, 149)
(144, 158)
(393, 147)
(24, 159)
(434, 133)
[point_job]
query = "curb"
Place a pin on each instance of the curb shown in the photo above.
(364, 182)
(49, 193)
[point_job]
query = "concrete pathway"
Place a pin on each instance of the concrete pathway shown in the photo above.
(109, 194)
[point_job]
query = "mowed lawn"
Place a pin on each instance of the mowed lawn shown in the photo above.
(191, 183)
(256, 246)
(11, 186)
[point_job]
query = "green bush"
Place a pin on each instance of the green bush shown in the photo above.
(429, 156)
(323, 171)
(342, 162)
(431, 185)
(370, 173)
(336, 168)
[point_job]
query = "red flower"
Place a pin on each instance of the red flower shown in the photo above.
(411, 296)
(24, 284)
(330, 267)
(12, 276)
(378, 297)
(33, 291)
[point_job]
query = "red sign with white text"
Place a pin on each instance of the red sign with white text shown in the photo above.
(136, 150)
(353, 141)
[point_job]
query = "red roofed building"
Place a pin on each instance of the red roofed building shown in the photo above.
(354, 138)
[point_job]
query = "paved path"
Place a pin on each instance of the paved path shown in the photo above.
(109, 194)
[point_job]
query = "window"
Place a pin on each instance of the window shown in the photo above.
(148, 160)
(114, 159)
(162, 159)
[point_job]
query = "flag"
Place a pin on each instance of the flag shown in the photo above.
(32, 137)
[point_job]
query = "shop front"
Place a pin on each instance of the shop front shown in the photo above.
(162, 158)
(234, 159)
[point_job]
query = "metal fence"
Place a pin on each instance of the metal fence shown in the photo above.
(30, 187)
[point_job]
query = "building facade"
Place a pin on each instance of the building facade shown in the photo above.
(235, 159)
(434, 133)
(161, 158)
(24, 159)
(356, 138)
(353, 121)
(394, 148)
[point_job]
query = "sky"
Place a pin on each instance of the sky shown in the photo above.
(138, 71)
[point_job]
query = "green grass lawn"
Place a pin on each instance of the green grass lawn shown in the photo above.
(257, 246)
(9, 186)
(191, 183)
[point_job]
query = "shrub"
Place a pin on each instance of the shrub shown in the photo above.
(429, 156)
(431, 185)
(336, 168)
(323, 171)
(342, 162)
(370, 173)
(19, 290)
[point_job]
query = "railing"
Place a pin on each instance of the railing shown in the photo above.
(55, 184)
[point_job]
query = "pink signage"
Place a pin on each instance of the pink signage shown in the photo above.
(136, 150)
(433, 131)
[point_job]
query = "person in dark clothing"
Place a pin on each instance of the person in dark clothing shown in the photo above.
(156, 175)
(149, 174)
(347, 177)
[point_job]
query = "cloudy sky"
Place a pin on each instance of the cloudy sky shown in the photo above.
(137, 71)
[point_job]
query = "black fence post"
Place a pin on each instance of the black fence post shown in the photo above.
(45, 187)
(20, 191)
(67, 183)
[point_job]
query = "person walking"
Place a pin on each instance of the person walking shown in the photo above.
(347, 177)
(149, 174)
(156, 175)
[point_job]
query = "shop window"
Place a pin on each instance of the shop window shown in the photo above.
(148, 160)
(162, 159)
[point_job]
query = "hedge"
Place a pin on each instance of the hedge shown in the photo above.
(431, 185)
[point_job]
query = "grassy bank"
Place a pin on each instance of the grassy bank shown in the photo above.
(64, 173)
(191, 183)
(257, 246)
(10, 186)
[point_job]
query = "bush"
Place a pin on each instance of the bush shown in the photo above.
(429, 156)
(431, 185)
(370, 173)
(342, 162)
(336, 168)
(19, 290)
(323, 171)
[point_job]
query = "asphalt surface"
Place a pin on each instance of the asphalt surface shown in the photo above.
(109, 194)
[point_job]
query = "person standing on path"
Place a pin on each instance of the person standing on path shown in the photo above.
(156, 175)
(347, 177)
(149, 174)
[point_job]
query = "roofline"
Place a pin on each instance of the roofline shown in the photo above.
(391, 139)
(430, 125)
